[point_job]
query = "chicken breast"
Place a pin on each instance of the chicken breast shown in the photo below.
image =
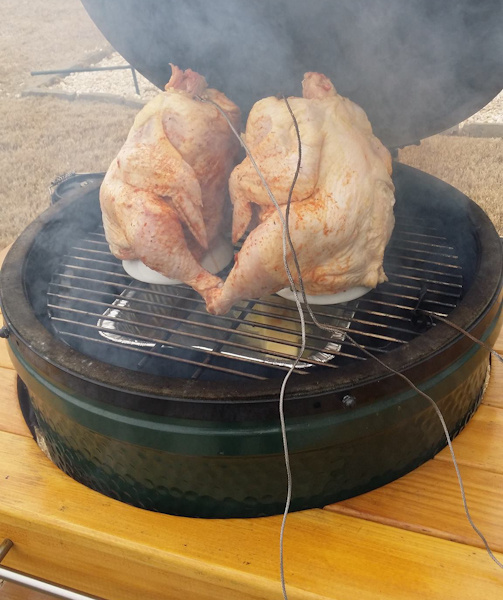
(341, 212)
(163, 198)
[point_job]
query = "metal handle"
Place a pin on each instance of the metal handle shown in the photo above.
(34, 583)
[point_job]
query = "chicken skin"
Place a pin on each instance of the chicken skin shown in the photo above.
(341, 212)
(163, 198)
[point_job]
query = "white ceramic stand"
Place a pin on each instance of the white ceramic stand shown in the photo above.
(321, 299)
(213, 261)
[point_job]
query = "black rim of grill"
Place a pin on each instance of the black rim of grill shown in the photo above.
(33, 335)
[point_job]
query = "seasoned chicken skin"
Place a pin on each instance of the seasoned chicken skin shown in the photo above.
(341, 212)
(163, 197)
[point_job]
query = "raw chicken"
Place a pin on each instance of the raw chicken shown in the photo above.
(163, 197)
(341, 213)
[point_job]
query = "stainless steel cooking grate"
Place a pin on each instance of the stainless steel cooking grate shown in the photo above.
(98, 309)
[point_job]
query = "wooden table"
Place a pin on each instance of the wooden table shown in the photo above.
(407, 540)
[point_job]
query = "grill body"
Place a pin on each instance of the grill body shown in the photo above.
(198, 469)
(209, 445)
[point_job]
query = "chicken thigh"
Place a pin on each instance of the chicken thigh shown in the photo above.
(163, 198)
(341, 211)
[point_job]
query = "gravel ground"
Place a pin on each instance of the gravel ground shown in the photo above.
(36, 34)
(491, 113)
(119, 83)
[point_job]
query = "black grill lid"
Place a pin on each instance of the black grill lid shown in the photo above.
(417, 67)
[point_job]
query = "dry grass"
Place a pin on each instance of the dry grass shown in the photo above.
(44, 137)
(60, 136)
(37, 35)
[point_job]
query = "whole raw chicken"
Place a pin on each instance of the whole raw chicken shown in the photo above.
(341, 212)
(163, 197)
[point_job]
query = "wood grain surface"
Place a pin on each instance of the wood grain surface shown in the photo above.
(53, 520)
(5, 361)
(494, 392)
(11, 591)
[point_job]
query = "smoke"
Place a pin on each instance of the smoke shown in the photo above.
(416, 67)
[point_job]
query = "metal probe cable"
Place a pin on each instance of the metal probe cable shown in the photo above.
(338, 330)
(285, 238)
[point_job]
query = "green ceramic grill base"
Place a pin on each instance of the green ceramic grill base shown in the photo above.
(223, 486)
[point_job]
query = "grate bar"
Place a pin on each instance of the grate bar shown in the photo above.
(423, 260)
(426, 232)
(165, 356)
(415, 287)
(92, 250)
(105, 243)
(411, 232)
(184, 333)
(320, 313)
(201, 349)
(429, 252)
(407, 243)
(453, 275)
(124, 275)
(420, 270)
(90, 284)
(414, 299)
(233, 320)
(399, 306)
(458, 286)
(93, 260)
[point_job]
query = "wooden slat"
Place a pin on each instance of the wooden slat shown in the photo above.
(108, 548)
(428, 500)
(11, 418)
(498, 346)
(3, 254)
(480, 444)
(11, 591)
(5, 361)
(494, 393)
